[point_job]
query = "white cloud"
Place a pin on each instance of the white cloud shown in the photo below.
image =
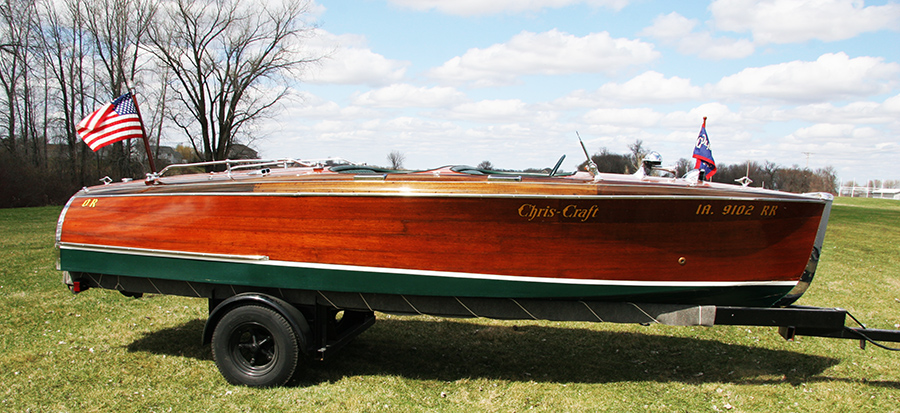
(349, 61)
(671, 133)
(831, 76)
(304, 105)
(647, 88)
(833, 141)
(547, 53)
(855, 113)
(797, 21)
(483, 7)
(650, 87)
(629, 117)
(678, 31)
(719, 115)
(405, 95)
(494, 111)
(892, 105)
(670, 27)
(823, 131)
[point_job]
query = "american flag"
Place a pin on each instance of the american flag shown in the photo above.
(115, 121)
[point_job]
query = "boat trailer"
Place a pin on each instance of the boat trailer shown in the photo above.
(254, 330)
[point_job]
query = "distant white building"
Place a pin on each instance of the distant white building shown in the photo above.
(891, 193)
(167, 154)
(868, 192)
(239, 151)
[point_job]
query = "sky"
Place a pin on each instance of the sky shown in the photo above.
(811, 83)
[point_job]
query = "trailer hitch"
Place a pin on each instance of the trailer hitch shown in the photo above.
(807, 321)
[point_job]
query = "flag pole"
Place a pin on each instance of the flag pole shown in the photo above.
(143, 130)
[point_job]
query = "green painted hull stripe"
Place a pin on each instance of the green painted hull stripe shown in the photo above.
(258, 274)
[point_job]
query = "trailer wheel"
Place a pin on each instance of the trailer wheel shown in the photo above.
(255, 346)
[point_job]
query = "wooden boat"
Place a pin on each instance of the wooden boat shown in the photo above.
(449, 232)
(295, 256)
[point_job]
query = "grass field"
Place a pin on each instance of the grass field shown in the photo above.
(101, 351)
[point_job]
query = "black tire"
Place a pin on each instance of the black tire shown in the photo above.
(255, 346)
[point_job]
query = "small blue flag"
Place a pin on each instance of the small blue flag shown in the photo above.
(703, 154)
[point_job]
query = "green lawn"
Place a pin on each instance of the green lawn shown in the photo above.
(101, 351)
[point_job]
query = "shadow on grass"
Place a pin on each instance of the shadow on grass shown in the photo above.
(182, 341)
(448, 350)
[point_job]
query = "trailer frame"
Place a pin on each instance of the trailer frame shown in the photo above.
(323, 322)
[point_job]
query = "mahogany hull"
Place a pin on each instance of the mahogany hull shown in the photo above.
(448, 235)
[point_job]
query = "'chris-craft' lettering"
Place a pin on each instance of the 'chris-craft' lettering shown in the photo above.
(582, 214)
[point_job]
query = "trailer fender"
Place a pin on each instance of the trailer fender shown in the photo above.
(293, 316)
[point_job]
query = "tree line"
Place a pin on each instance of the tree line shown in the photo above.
(767, 174)
(204, 70)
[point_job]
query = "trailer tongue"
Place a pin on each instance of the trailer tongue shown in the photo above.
(807, 321)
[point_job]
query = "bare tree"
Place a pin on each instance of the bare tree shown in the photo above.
(65, 53)
(396, 159)
(17, 20)
(638, 152)
(684, 166)
(825, 180)
(607, 161)
(769, 174)
(118, 29)
(222, 55)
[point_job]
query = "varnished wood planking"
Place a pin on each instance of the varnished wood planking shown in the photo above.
(451, 234)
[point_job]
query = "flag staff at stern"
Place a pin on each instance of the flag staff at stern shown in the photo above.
(703, 154)
(114, 122)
